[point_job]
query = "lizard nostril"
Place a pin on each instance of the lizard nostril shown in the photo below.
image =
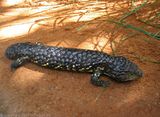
(140, 73)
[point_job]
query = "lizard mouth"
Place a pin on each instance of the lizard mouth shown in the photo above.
(133, 76)
(128, 76)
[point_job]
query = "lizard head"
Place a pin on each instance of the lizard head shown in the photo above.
(17, 50)
(122, 69)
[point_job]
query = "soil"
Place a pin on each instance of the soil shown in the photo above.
(33, 91)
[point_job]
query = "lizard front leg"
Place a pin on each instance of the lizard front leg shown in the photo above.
(95, 78)
(19, 62)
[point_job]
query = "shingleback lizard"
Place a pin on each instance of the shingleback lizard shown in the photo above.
(98, 63)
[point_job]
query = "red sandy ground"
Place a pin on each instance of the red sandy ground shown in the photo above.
(35, 91)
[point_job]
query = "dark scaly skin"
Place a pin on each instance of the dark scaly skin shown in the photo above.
(95, 62)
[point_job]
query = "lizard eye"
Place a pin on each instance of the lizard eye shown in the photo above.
(131, 74)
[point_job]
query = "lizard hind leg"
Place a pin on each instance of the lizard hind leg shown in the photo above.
(19, 62)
